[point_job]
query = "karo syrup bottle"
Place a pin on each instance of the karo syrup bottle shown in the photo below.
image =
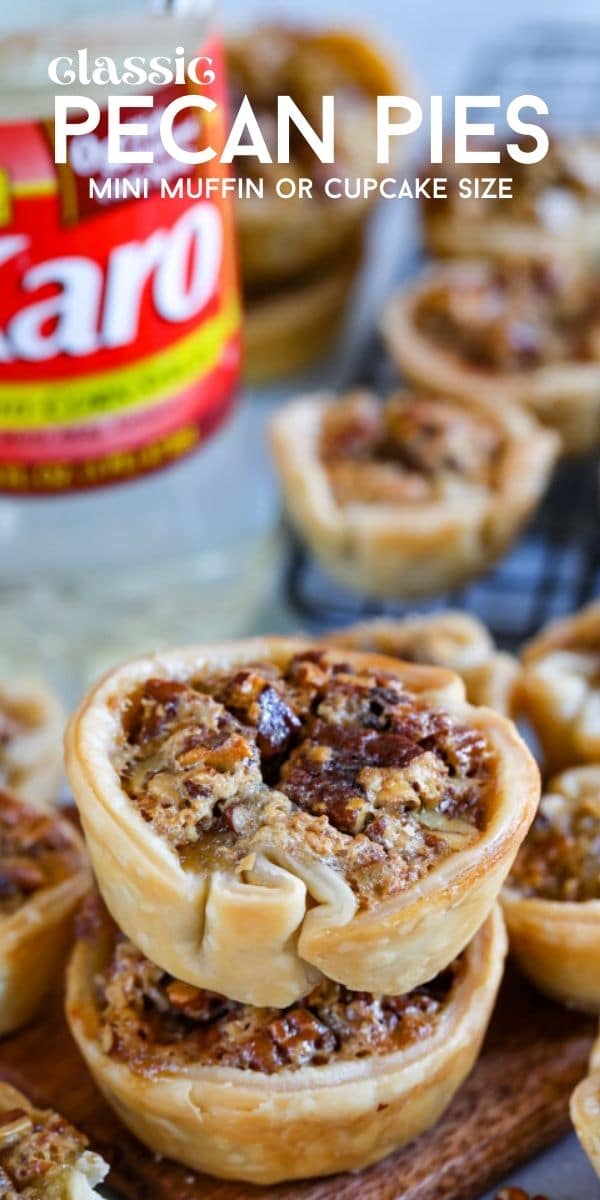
(133, 510)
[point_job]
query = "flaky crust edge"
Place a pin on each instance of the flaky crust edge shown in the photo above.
(556, 942)
(542, 693)
(585, 1110)
(258, 940)
(34, 941)
(314, 1121)
(39, 751)
(490, 676)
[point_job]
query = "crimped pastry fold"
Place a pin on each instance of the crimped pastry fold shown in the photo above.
(331, 1084)
(262, 812)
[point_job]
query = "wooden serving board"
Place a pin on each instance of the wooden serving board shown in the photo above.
(514, 1104)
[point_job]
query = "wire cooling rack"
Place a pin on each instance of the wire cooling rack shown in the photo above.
(555, 567)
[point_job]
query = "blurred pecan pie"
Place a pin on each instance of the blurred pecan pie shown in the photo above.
(264, 811)
(552, 896)
(43, 876)
(585, 1110)
(554, 206)
(408, 496)
(42, 1157)
(559, 689)
(31, 729)
(282, 239)
(235, 1091)
(456, 640)
(527, 334)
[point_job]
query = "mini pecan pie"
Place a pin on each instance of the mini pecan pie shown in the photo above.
(554, 206)
(262, 811)
(552, 897)
(283, 238)
(330, 1083)
(408, 496)
(456, 640)
(559, 688)
(42, 1157)
(526, 334)
(31, 729)
(43, 876)
(585, 1110)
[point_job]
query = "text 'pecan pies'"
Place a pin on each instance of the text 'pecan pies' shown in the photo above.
(331, 1083)
(585, 1110)
(530, 335)
(31, 729)
(412, 495)
(283, 238)
(559, 688)
(452, 639)
(43, 876)
(42, 1157)
(262, 811)
(552, 896)
(554, 205)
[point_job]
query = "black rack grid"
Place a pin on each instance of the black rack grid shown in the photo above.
(555, 567)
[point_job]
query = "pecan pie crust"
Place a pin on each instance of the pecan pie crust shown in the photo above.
(585, 1110)
(551, 899)
(43, 876)
(31, 729)
(42, 1156)
(331, 1083)
(277, 810)
(411, 495)
(559, 688)
(456, 640)
(526, 335)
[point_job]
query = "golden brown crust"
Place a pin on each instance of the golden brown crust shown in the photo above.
(585, 1110)
(551, 901)
(264, 932)
(436, 528)
(42, 1157)
(562, 395)
(281, 239)
(244, 1124)
(456, 640)
(559, 688)
(43, 874)
(31, 730)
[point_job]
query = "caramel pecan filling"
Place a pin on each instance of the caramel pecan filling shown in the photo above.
(35, 853)
(513, 319)
(37, 1148)
(157, 1024)
(408, 449)
(560, 858)
(314, 758)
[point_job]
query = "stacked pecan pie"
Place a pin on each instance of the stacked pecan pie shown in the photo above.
(300, 254)
(300, 848)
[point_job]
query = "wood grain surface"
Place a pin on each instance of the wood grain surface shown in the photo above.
(514, 1104)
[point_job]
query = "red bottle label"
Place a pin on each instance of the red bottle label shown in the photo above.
(119, 317)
